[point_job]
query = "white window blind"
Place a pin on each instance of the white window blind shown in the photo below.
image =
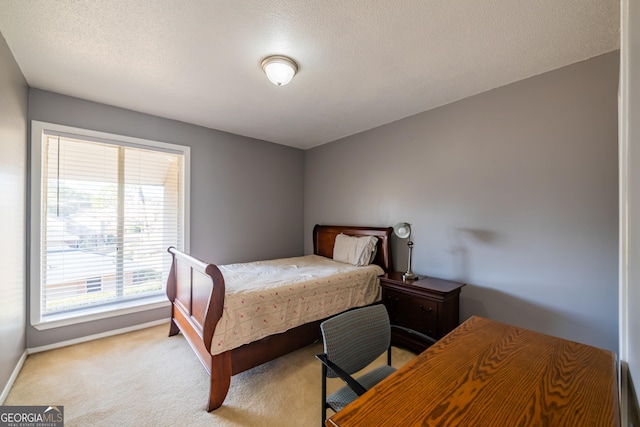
(108, 213)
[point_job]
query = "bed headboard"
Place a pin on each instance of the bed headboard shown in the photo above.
(324, 237)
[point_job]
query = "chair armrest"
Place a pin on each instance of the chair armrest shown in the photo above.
(348, 379)
(423, 337)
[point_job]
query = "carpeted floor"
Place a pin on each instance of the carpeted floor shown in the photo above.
(145, 378)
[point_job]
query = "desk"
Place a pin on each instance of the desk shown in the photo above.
(486, 373)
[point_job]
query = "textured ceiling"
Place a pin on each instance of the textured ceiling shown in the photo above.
(363, 63)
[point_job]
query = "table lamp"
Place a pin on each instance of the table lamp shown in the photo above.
(403, 231)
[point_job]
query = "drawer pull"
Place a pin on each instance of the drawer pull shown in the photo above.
(393, 300)
(426, 310)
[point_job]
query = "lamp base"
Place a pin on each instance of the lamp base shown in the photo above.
(409, 276)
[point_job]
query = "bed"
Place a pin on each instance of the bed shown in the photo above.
(203, 309)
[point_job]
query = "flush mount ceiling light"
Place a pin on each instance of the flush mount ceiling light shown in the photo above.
(279, 69)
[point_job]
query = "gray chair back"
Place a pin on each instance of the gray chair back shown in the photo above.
(352, 340)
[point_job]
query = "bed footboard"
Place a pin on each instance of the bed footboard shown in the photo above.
(196, 291)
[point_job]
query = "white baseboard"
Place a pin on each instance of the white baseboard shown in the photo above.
(12, 378)
(33, 350)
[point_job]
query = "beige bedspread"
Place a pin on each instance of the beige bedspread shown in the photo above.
(269, 297)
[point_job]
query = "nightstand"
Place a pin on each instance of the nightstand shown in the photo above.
(427, 305)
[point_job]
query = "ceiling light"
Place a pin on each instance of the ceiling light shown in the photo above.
(279, 69)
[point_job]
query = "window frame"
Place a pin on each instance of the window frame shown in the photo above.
(35, 210)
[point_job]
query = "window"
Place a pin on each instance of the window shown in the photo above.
(94, 284)
(105, 208)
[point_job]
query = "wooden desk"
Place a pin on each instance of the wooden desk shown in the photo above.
(486, 373)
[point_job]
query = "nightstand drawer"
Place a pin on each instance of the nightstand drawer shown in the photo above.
(412, 312)
(409, 305)
(428, 305)
(425, 326)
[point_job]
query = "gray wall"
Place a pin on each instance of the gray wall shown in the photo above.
(246, 194)
(512, 191)
(13, 185)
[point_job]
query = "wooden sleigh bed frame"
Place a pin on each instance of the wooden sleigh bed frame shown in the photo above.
(197, 291)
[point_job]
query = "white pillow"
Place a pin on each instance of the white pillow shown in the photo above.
(358, 251)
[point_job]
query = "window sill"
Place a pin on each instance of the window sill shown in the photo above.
(103, 312)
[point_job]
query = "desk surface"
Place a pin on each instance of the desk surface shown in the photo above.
(489, 373)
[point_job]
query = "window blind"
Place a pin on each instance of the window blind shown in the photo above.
(109, 212)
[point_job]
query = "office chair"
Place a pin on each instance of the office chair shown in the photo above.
(352, 340)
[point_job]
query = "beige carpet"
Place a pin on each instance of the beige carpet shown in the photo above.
(146, 378)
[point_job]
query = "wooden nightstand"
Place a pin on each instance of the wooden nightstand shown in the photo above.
(427, 305)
